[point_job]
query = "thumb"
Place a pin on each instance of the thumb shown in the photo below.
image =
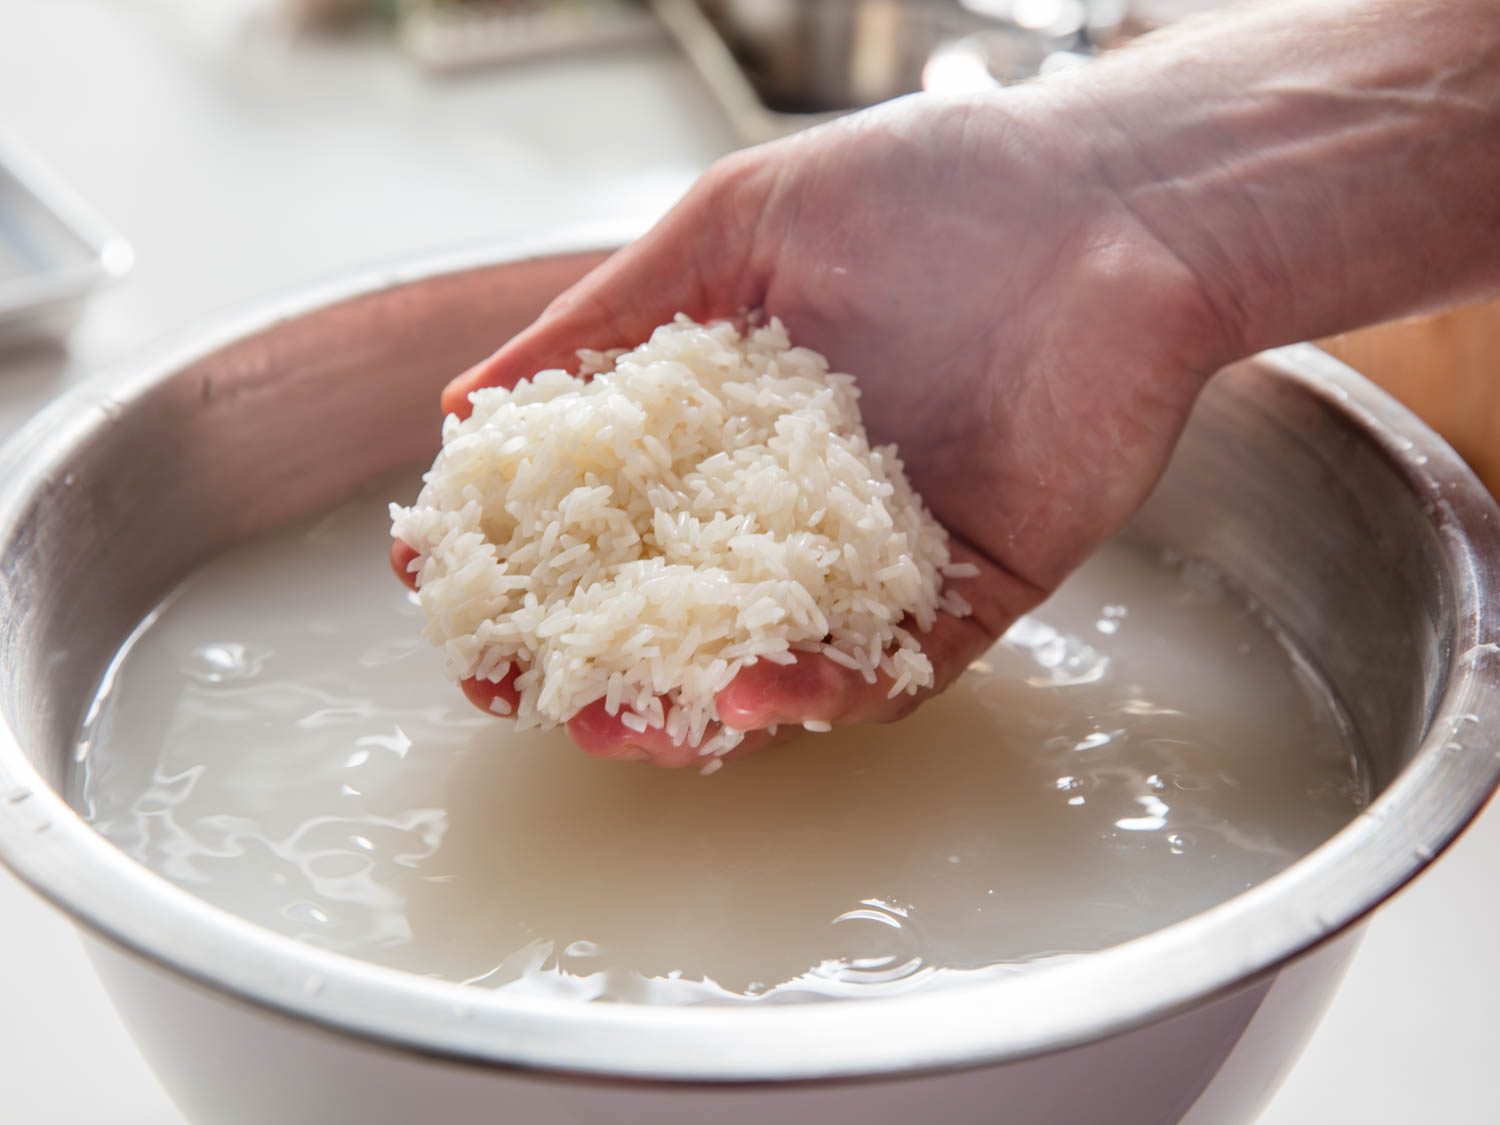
(695, 261)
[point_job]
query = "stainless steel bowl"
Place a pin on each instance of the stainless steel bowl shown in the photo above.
(1352, 523)
(833, 55)
(777, 66)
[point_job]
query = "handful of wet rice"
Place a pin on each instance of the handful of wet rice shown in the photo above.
(641, 532)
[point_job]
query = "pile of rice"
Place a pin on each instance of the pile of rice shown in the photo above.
(702, 502)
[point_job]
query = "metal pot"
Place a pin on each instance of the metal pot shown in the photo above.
(1353, 525)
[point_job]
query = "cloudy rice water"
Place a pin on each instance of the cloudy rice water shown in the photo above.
(278, 740)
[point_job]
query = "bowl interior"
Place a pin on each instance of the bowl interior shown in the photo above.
(1275, 484)
(161, 471)
(1346, 519)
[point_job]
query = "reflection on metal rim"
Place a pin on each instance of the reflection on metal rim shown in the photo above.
(1439, 790)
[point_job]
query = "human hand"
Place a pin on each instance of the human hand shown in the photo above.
(1031, 349)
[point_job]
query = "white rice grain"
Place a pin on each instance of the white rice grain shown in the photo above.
(704, 501)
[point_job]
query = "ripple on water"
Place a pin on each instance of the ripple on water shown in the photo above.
(308, 766)
(225, 662)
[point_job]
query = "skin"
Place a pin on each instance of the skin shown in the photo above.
(1033, 286)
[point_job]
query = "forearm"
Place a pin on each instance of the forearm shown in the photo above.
(1316, 164)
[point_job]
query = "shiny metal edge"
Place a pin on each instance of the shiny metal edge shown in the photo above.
(1213, 953)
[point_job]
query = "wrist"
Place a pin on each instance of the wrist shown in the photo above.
(1314, 166)
(1129, 240)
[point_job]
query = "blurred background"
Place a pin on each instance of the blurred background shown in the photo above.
(163, 161)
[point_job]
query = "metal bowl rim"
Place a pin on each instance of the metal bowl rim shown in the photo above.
(1172, 970)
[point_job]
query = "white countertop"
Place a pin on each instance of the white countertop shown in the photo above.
(240, 163)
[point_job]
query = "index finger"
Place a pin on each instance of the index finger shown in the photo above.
(816, 690)
(698, 260)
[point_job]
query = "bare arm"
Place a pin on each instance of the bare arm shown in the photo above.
(1318, 164)
(1032, 286)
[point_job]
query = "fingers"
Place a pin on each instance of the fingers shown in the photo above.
(771, 701)
(617, 305)
(593, 729)
(402, 556)
(817, 690)
(691, 262)
(596, 732)
(493, 697)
